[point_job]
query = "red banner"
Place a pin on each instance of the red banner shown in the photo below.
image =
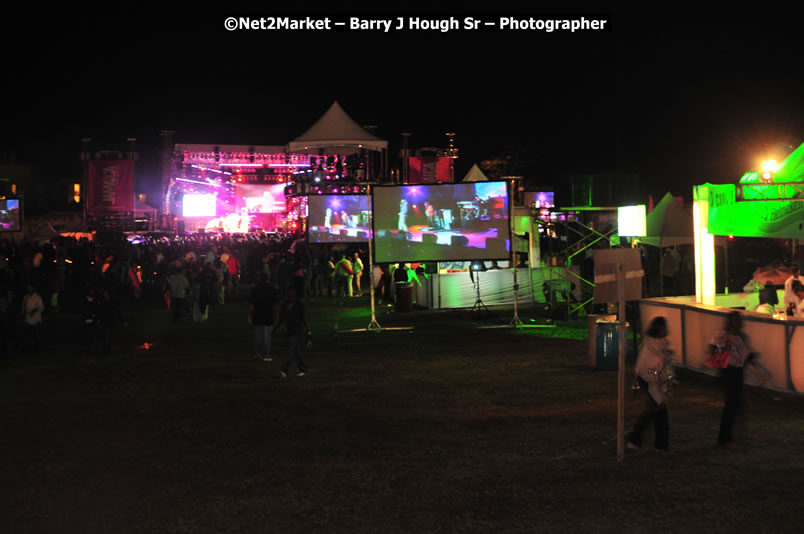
(429, 169)
(111, 186)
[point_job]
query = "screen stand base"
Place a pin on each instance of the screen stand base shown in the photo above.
(479, 304)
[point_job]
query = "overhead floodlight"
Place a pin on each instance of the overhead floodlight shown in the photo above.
(770, 165)
(769, 168)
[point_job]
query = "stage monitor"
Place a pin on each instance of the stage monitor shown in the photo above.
(199, 206)
(261, 198)
(441, 222)
(10, 215)
(338, 218)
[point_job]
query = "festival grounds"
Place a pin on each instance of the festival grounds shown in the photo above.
(447, 428)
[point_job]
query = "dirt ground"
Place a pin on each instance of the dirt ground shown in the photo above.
(448, 427)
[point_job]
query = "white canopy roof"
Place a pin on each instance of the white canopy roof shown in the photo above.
(668, 224)
(334, 130)
(475, 175)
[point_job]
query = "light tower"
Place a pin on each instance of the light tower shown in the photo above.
(452, 154)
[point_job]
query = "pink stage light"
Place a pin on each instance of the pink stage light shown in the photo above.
(241, 164)
(196, 182)
(289, 165)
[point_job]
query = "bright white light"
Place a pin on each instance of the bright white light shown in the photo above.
(770, 165)
(198, 206)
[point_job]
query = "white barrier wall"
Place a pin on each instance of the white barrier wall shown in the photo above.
(456, 290)
(779, 342)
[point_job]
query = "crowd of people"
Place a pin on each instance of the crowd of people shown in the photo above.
(191, 275)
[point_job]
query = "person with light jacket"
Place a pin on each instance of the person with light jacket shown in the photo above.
(654, 376)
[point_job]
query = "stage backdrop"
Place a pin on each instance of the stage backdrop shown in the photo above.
(429, 169)
(111, 186)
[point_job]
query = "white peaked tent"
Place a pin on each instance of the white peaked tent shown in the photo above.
(336, 130)
(475, 175)
(668, 224)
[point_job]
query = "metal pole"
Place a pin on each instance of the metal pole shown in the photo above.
(621, 363)
(515, 322)
(726, 263)
(438, 269)
(373, 324)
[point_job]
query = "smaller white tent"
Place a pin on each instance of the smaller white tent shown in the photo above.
(475, 175)
(668, 224)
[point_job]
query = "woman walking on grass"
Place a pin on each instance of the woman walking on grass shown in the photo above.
(653, 372)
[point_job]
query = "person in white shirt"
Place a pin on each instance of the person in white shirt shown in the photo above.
(654, 369)
(764, 305)
(791, 300)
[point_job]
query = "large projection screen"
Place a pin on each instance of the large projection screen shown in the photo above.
(441, 222)
(10, 215)
(339, 218)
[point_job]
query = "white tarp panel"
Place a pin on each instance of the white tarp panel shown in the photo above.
(668, 224)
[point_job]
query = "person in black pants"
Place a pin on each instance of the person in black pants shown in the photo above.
(295, 320)
(653, 370)
(731, 344)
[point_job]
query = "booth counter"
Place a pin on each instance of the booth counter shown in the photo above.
(779, 342)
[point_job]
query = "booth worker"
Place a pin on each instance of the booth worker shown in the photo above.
(791, 300)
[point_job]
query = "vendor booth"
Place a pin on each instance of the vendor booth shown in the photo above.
(768, 204)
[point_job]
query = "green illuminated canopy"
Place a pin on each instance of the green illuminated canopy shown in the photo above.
(753, 208)
(753, 218)
(786, 184)
(790, 170)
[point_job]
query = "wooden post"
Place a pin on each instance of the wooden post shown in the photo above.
(621, 363)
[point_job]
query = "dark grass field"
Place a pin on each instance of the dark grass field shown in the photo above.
(448, 428)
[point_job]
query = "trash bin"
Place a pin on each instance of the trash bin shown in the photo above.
(607, 343)
(591, 326)
(404, 296)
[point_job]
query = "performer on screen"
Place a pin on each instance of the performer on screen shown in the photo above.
(403, 215)
(328, 219)
(429, 211)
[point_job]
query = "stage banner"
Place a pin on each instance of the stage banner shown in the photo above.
(429, 169)
(111, 186)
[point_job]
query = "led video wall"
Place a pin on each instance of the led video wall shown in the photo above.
(339, 218)
(441, 222)
(10, 215)
(261, 198)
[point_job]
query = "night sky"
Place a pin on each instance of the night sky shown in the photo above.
(678, 99)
